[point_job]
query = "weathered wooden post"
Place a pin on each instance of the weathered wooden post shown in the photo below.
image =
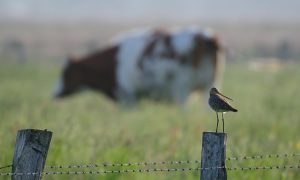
(30, 153)
(213, 156)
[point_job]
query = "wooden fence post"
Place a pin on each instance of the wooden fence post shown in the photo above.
(30, 153)
(213, 155)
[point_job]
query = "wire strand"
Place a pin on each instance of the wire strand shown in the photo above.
(166, 162)
(123, 164)
(263, 156)
(278, 167)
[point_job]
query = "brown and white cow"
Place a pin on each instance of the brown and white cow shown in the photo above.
(151, 63)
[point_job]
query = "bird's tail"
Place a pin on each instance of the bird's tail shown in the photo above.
(234, 110)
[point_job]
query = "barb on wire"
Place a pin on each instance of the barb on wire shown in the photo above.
(262, 156)
(7, 166)
(278, 167)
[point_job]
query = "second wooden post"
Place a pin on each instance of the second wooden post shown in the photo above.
(213, 156)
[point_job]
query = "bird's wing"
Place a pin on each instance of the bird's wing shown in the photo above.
(222, 98)
(223, 104)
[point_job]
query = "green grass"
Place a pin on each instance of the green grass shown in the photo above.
(89, 129)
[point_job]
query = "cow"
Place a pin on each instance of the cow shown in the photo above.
(154, 63)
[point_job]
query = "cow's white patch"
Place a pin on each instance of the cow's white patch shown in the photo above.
(183, 41)
(159, 48)
(59, 87)
(128, 73)
(190, 79)
(204, 73)
(219, 70)
(182, 84)
(158, 74)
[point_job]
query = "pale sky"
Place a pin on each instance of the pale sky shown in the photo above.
(257, 10)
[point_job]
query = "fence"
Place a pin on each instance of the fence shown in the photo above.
(25, 160)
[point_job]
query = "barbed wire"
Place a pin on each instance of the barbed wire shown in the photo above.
(161, 162)
(125, 164)
(166, 162)
(278, 167)
(263, 156)
(297, 166)
(111, 171)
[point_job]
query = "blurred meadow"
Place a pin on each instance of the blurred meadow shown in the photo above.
(261, 75)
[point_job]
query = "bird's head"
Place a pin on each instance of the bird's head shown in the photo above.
(214, 91)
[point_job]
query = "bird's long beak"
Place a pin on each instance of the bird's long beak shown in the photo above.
(224, 96)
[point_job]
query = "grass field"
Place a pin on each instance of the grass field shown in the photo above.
(88, 128)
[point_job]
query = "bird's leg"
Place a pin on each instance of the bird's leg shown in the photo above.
(217, 122)
(223, 121)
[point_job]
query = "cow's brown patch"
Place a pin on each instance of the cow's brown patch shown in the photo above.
(99, 70)
(206, 46)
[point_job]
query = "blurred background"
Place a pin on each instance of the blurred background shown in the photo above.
(262, 76)
(48, 30)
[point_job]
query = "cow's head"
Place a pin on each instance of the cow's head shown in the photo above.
(70, 81)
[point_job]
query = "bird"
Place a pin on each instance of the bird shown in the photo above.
(217, 101)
